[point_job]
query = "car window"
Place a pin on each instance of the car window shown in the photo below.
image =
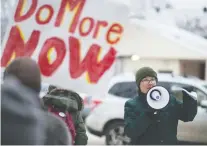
(178, 85)
(184, 86)
(170, 86)
(201, 94)
(165, 85)
(205, 86)
(124, 89)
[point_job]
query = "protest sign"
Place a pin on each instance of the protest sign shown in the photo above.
(73, 41)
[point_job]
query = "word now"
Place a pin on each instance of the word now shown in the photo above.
(16, 45)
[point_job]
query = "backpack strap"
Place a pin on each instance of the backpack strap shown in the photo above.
(70, 123)
(68, 119)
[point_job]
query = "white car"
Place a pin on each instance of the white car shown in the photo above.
(44, 89)
(107, 117)
(204, 84)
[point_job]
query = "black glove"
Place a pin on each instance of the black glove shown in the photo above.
(188, 95)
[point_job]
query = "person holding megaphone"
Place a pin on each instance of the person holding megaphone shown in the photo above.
(152, 117)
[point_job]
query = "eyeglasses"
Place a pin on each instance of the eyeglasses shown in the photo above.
(148, 81)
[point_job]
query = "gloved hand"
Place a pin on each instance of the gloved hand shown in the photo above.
(192, 95)
(181, 93)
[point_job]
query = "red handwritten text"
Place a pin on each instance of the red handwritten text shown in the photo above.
(90, 63)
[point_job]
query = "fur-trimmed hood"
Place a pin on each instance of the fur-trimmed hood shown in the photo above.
(64, 99)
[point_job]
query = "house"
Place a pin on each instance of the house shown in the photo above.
(165, 48)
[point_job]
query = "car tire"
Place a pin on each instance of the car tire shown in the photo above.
(115, 134)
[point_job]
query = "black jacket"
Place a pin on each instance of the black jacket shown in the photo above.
(24, 122)
(143, 127)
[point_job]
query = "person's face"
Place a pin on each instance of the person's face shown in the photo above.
(147, 83)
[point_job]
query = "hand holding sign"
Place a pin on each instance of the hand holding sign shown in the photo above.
(69, 39)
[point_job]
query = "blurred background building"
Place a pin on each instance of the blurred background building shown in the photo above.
(187, 14)
(168, 35)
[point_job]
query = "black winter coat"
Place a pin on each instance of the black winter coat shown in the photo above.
(143, 127)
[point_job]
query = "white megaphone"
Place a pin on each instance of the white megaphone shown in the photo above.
(158, 97)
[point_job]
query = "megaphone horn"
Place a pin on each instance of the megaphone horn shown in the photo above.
(158, 97)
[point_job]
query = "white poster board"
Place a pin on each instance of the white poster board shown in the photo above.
(73, 41)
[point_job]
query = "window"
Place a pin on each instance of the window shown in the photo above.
(170, 86)
(184, 86)
(166, 85)
(178, 95)
(201, 95)
(124, 89)
(205, 86)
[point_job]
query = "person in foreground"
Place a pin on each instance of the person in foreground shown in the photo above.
(22, 122)
(25, 122)
(145, 126)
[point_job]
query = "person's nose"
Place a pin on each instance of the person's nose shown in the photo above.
(150, 82)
